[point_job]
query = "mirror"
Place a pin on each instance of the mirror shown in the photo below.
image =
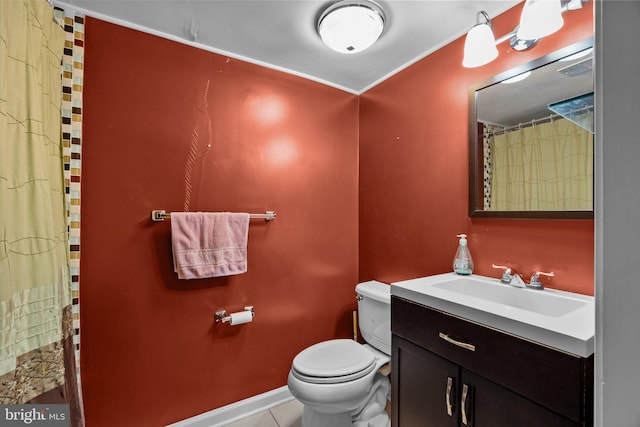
(531, 139)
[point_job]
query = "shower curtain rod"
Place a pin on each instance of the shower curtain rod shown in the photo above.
(549, 118)
(161, 215)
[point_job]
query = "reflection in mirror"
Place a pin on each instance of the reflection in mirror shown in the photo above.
(531, 139)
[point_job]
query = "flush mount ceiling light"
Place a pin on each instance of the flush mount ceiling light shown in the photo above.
(539, 18)
(351, 26)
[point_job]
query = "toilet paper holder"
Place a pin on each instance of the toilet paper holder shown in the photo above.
(222, 317)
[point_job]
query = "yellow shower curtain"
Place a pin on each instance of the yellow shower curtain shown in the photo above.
(35, 314)
(545, 167)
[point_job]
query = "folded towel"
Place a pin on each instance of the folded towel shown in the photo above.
(209, 244)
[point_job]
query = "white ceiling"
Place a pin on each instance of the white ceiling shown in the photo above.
(511, 104)
(281, 34)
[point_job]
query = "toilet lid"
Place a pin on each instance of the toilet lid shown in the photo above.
(333, 361)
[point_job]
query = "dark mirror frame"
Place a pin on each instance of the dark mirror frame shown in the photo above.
(475, 160)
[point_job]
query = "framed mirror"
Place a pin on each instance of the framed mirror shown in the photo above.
(531, 139)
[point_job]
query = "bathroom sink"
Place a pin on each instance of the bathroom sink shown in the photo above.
(543, 303)
(562, 320)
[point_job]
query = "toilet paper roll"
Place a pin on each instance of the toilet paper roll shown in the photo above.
(240, 318)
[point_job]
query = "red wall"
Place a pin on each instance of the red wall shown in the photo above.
(151, 354)
(413, 175)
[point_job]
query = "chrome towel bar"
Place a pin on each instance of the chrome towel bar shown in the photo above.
(161, 215)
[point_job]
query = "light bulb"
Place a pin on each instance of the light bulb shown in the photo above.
(540, 18)
(479, 46)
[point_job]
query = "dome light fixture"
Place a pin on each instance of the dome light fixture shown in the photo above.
(539, 18)
(480, 44)
(351, 26)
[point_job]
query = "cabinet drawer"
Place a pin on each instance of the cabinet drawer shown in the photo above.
(554, 379)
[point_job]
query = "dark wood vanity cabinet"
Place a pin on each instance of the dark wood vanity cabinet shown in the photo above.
(495, 379)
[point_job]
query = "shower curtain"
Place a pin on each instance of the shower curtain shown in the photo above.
(547, 167)
(37, 362)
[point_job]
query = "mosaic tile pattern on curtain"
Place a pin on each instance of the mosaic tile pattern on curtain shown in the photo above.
(72, 84)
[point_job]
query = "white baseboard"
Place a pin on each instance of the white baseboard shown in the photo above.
(237, 410)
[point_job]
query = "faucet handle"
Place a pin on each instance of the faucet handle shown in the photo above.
(535, 279)
(507, 274)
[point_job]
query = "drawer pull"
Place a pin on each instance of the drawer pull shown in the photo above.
(466, 395)
(450, 390)
(461, 344)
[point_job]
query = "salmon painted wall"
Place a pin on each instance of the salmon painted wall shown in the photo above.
(151, 354)
(414, 178)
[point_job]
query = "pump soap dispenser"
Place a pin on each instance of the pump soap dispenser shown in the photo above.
(462, 263)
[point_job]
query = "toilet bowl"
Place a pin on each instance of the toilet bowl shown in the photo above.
(337, 381)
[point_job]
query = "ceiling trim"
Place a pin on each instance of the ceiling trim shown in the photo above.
(70, 9)
(413, 61)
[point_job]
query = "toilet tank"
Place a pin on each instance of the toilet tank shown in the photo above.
(374, 314)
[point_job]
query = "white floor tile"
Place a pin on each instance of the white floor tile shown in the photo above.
(261, 419)
(288, 414)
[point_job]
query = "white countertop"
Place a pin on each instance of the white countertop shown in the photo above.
(536, 315)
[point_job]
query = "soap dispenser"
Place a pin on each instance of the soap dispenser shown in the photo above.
(462, 263)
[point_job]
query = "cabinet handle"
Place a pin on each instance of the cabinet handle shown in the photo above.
(450, 390)
(464, 345)
(466, 395)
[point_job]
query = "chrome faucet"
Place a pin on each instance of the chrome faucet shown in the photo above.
(515, 280)
(507, 274)
(535, 280)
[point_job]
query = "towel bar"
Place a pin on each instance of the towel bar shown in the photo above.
(161, 215)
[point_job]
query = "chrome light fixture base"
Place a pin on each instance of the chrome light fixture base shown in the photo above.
(520, 45)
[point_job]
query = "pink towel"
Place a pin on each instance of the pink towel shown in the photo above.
(209, 244)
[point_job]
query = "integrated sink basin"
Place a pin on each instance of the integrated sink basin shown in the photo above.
(543, 303)
(562, 320)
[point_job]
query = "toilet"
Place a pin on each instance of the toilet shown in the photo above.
(338, 381)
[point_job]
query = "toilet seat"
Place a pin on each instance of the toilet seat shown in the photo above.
(332, 362)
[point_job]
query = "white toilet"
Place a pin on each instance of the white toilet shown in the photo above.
(338, 380)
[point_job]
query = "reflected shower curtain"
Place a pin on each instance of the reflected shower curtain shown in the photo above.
(37, 363)
(546, 167)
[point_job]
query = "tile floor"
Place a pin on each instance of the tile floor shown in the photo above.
(288, 414)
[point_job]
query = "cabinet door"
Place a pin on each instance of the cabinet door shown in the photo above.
(491, 405)
(425, 388)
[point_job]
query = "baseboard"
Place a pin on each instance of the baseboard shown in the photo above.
(234, 411)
